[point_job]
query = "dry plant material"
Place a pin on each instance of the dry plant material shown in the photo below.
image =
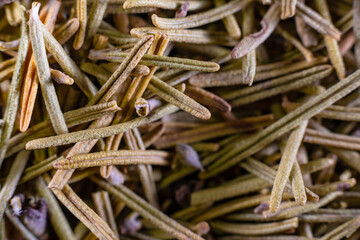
(177, 98)
(12, 179)
(313, 19)
(9, 45)
(288, 36)
(179, 119)
(66, 31)
(13, 13)
(31, 80)
(331, 43)
(123, 157)
(142, 107)
(200, 19)
(200, 36)
(207, 98)
(268, 25)
(188, 156)
(103, 208)
(182, 11)
(158, 61)
(43, 72)
(60, 77)
(14, 92)
(57, 217)
(230, 23)
(81, 15)
(234, 77)
(305, 32)
(286, 164)
(256, 229)
(249, 60)
(356, 29)
(194, 5)
(288, 8)
(104, 95)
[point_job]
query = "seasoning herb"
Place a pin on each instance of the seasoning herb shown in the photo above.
(179, 119)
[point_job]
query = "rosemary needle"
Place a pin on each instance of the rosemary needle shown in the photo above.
(312, 107)
(12, 179)
(81, 14)
(183, 119)
(90, 134)
(57, 217)
(197, 36)
(43, 72)
(331, 43)
(14, 94)
(288, 8)
(230, 23)
(255, 229)
(286, 164)
(317, 22)
(164, 4)
(107, 91)
(19, 226)
(249, 60)
(158, 218)
(113, 158)
(177, 98)
(200, 18)
(156, 60)
(268, 24)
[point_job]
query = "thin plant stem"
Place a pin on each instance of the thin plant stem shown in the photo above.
(72, 118)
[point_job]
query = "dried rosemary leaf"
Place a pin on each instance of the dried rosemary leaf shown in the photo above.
(200, 19)
(268, 24)
(14, 94)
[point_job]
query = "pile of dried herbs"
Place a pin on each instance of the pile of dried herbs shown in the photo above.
(172, 119)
